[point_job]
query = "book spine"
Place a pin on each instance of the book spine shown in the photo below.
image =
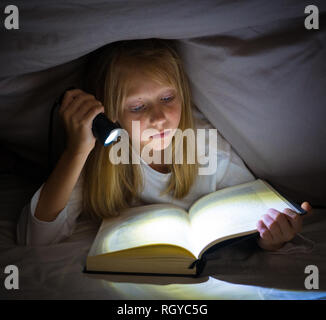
(199, 264)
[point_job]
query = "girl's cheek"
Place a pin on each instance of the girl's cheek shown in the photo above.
(176, 115)
(136, 129)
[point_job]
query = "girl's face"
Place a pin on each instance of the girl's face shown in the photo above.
(155, 106)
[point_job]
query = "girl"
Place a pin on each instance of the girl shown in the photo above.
(144, 81)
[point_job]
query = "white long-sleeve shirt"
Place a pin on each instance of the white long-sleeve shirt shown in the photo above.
(230, 170)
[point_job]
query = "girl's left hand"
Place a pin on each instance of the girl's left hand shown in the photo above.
(276, 228)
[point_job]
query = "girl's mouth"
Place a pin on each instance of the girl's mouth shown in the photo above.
(161, 135)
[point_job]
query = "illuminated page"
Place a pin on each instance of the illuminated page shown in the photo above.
(231, 212)
(141, 226)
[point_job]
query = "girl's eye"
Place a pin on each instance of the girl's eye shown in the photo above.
(136, 109)
(142, 107)
(167, 99)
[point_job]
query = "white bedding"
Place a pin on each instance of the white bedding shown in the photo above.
(55, 272)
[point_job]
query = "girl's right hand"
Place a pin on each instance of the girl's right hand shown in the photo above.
(78, 110)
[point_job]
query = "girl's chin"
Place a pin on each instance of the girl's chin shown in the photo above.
(157, 145)
(160, 144)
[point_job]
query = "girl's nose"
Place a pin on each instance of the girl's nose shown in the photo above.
(157, 116)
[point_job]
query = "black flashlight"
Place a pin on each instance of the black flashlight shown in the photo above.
(104, 130)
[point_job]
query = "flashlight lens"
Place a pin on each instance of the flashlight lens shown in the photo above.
(112, 137)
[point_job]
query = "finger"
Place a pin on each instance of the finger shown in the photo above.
(273, 227)
(307, 207)
(68, 97)
(91, 114)
(294, 218)
(264, 233)
(87, 106)
(286, 228)
(77, 103)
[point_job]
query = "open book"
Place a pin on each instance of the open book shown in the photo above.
(166, 239)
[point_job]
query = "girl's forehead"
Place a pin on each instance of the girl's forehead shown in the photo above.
(137, 72)
(139, 84)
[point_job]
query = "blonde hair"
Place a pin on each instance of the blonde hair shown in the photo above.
(108, 188)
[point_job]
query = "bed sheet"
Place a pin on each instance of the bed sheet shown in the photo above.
(241, 272)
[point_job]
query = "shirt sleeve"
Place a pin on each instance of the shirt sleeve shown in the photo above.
(34, 232)
(231, 169)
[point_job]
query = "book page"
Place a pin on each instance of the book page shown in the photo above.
(144, 225)
(232, 211)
